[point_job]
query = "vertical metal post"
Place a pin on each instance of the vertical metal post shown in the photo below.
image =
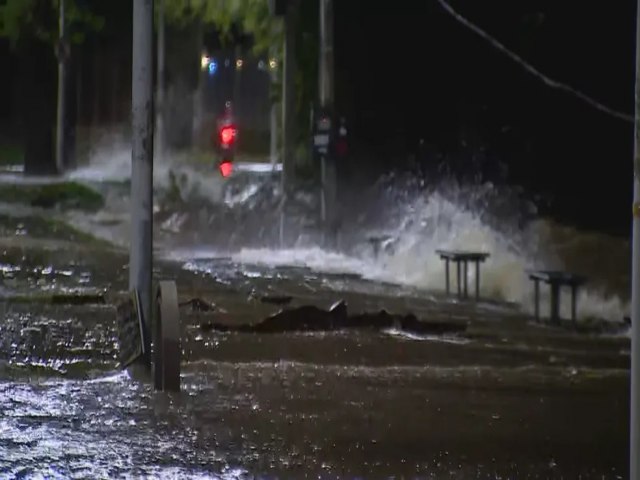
(327, 167)
(273, 126)
(62, 66)
(141, 243)
(237, 78)
(634, 453)
(160, 82)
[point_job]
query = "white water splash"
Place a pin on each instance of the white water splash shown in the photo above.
(436, 222)
(420, 223)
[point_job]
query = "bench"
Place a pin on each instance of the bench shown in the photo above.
(462, 259)
(555, 279)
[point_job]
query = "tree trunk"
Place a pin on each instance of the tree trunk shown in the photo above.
(71, 110)
(38, 71)
(182, 71)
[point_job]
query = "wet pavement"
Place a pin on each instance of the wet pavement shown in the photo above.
(504, 399)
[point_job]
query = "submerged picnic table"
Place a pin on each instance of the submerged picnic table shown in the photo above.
(462, 259)
(556, 279)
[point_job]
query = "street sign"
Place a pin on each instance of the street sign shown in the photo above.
(322, 133)
(131, 335)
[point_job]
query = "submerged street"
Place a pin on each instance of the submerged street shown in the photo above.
(505, 398)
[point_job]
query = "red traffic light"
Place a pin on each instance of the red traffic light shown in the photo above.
(228, 135)
(226, 168)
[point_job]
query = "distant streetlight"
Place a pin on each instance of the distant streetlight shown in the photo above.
(239, 63)
(204, 61)
(273, 64)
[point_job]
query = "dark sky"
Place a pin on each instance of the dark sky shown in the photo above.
(408, 66)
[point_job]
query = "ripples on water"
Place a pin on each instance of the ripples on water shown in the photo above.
(283, 420)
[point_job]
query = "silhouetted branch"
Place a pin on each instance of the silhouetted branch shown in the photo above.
(548, 81)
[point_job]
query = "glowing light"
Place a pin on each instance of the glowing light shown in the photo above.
(273, 64)
(213, 67)
(226, 168)
(261, 65)
(204, 61)
(227, 135)
(239, 63)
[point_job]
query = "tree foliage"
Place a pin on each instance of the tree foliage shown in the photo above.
(38, 18)
(250, 16)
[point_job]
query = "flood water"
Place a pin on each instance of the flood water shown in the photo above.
(507, 398)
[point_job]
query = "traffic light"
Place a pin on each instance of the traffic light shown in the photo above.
(228, 136)
(226, 168)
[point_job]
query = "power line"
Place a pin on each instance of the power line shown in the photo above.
(532, 70)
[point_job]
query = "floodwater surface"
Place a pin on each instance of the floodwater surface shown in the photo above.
(505, 399)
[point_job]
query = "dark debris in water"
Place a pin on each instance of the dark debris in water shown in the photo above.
(70, 298)
(276, 299)
(311, 318)
(198, 305)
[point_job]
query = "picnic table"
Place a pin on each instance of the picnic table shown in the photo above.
(462, 258)
(556, 279)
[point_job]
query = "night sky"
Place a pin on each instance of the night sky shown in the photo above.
(406, 70)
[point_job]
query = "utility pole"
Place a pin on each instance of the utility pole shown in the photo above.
(328, 167)
(634, 452)
(62, 67)
(273, 113)
(288, 93)
(160, 82)
(238, 66)
(288, 108)
(141, 243)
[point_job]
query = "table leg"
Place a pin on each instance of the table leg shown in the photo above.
(446, 273)
(477, 280)
(574, 294)
(458, 278)
(536, 299)
(466, 279)
(555, 303)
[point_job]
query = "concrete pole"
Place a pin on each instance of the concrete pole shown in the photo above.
(634, 452)
(62, 66)
(160, 82)
(326, 80)
(141, 242)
